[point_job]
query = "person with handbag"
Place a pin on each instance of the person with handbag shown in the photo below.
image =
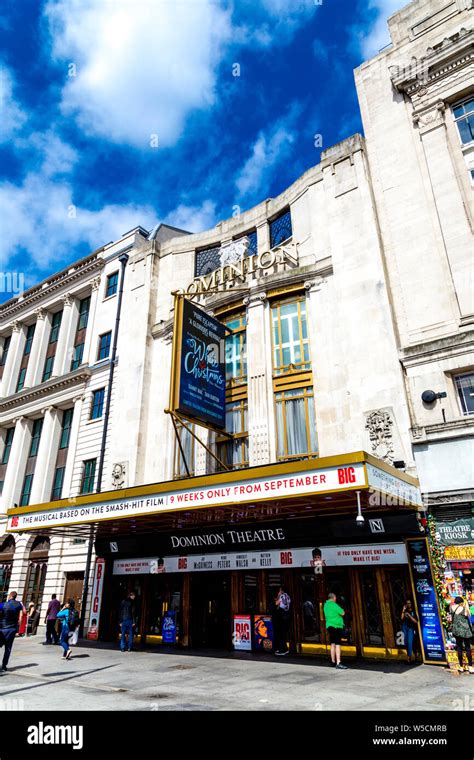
(409, 628)
(68, 618)
(462, 631)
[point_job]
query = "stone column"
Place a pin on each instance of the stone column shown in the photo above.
(64, 348)
(11, 369)
(16, 463)
(260, 391)
(263, 237)
(34, 370)
(89, 356)
(46, 458)
(71, 454)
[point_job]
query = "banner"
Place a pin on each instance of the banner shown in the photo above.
(93, 628)
(198, 367)
(242, 636)
(455, 532)
(432, 640)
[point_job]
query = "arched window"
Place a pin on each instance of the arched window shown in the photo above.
(37, 567)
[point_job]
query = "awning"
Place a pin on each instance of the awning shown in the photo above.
(318, 486)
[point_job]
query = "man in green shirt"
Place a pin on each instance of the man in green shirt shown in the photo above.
(334, 617)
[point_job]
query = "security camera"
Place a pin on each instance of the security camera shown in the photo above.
(360, 520)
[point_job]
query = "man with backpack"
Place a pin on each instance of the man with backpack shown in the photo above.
(282, 621)
(69, 619)
(11, 617)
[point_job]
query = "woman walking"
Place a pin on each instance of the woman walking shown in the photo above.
(409, 627)
(66, 616)
(462, 631)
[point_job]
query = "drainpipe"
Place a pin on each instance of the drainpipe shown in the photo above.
(123, 260)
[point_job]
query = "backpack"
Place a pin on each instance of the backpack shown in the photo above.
(74, 620)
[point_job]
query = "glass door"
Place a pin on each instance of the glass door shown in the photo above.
(373, 635)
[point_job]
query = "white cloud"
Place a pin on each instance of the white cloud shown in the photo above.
(193, 218)
(270, 149)
(12, 117)
(373, 37)
(141, 67)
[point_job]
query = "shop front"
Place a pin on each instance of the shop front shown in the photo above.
(206, 556)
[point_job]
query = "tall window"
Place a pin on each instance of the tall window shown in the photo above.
(111, 287)
(88, 476)
(5, 350)
(36, 437)
(8, 445)
(465, 388)
(280, 229)
(58, 483)
(84, 307)
(66, 428)
(97, 404)
(48, 368)
(290, 336)
(463, 114)
(77, 356)
(188, 446)
(292, 381)
(234, 452)
(26, 490)
(104, 346)
(30, 332)
(55, 325)
(21, 379)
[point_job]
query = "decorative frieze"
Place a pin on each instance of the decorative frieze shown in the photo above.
(379, 423)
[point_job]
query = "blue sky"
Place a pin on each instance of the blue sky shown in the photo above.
(116, 113)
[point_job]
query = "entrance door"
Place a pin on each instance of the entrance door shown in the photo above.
(210, 610)
(74, 588)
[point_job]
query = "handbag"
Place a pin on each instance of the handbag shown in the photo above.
(73, 637)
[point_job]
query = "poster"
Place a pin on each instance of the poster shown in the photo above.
(93, 628)
(198, 371)
(242, 634)
(263, 633)
(432, 640)
(168, 629)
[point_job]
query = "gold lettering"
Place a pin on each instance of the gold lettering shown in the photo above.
(266, 259)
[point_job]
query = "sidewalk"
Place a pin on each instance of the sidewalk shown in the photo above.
(99, 677)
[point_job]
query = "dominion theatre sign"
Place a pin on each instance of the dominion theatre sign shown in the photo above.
(236, 266)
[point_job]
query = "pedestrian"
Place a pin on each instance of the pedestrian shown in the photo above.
(462, 631)
(282, 621)
(12, 615)
(51, 617)
(69, 620)
(127, 622)
(33, 619)
(334, 617)
(409, 628)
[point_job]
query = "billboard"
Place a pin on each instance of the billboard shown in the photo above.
(432, 640)
(198, 366)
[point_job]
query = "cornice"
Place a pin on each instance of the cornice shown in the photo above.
(45, 390)
(44, 290)
(440, 61)
(434, 350)
(460, 428)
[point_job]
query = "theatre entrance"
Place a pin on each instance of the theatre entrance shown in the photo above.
(210, 610)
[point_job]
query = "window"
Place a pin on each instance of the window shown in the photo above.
(55, 325)
(8, 445)
(1, 486)
(84, 306)
(234, 453)
(88, 476)
(207, 260)
(26, 490)
(77, 356)
(280, 229)
(236, 349)
(465, 388)
(187, 443)
(464, 118)
(6, 348)
(296, 424)
(97, 404)
(35, 437)
(58, 483)
(21, 379)
(48, 368)
(111, 287)
(104, 346)
(29, 339)
(290, 336)
(66, 428)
